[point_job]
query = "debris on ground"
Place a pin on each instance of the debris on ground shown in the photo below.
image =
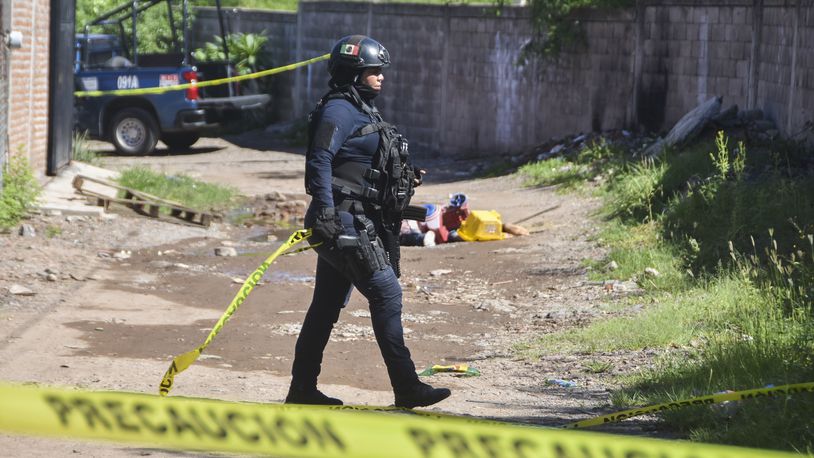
(561, 383)
(461, 369)
(20, 290)
(687, 128)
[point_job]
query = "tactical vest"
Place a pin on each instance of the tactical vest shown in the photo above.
(387, 184)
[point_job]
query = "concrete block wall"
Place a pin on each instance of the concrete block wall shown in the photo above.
(28, 82)
(455, 87)
(692, 53)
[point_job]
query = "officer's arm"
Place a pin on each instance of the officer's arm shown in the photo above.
(335, 126)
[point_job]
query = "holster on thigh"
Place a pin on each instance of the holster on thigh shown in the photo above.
(362, 255)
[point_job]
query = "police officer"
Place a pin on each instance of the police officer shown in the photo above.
(360, 179)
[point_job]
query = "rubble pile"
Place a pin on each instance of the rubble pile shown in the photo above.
(752, 124)
(274, 208)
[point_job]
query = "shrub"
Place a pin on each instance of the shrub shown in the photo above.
(20, 191)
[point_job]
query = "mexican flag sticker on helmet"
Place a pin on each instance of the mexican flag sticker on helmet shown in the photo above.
(349, 49)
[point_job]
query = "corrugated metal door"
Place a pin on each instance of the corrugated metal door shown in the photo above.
(60, 97)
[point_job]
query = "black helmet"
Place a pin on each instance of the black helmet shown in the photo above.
(354, 53)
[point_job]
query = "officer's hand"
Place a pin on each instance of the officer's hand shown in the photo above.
(419, 177)
(328, 226)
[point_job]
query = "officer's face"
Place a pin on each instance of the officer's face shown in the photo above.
(373, 77)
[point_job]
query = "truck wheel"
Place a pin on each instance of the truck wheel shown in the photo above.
(133, 132)
(180, 140)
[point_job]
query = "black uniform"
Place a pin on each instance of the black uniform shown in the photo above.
(333, 286)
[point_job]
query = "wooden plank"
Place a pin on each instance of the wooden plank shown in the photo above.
(138, 200)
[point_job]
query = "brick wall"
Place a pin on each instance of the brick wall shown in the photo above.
(28, 83)
(3, 94)
(454, 86)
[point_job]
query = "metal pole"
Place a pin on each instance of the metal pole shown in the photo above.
(185, 30)
(172, 26)
(133, 32)
(225, 45)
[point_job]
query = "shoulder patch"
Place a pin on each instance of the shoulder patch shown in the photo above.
(323, 137)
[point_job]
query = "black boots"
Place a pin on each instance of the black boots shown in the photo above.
(313, 396)
(420, 395)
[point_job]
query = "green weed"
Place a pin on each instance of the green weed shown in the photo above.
(597, 367)
(179, 188)
(52, 231)
(19, 191)
(557, 171)
(82, 151)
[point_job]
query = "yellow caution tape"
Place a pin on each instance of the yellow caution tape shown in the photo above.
(286, 431)
(182, 362)
(181, 87)
(743, 395)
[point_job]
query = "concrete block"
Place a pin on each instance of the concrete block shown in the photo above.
(678, 32)
(692, 32)
(736, 87)
(677, 14)
(725, 16)
(739, 14)
(714, 14)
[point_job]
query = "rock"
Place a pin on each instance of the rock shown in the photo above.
(51, 212)
(750, 115)
(649, 271)
(228, 243)
(726, 115)
(579, 139)
(225, 251)
(51, 277)
(275, 196)
(688, 127)
(238, 281)
(27, 230)
(613, 265)
(205, 357)
(99, 329)
(617, 286)
(440, 272)
(763, 125)
(77, 277)
(160, 264)
(74, 218)
(20, 290)
(123, 254)
(495, 305)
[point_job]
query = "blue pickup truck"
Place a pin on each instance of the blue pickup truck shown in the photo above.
(135, 123)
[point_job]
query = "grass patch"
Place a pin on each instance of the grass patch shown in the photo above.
(81, 149)
(730, 229)
(179, 188)
(569, 176)
(19, 191)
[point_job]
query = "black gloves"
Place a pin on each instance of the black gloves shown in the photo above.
(419, 176)
(327, 226)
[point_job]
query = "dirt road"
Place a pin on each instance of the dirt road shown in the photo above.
(111, 321)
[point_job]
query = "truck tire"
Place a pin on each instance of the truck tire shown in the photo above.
(134, 132)
(180, 140)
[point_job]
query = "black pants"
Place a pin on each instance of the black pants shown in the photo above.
(331, 293)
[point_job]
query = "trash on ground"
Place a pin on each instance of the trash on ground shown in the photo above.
(462, 369)
(561, 382)
(455, 222)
